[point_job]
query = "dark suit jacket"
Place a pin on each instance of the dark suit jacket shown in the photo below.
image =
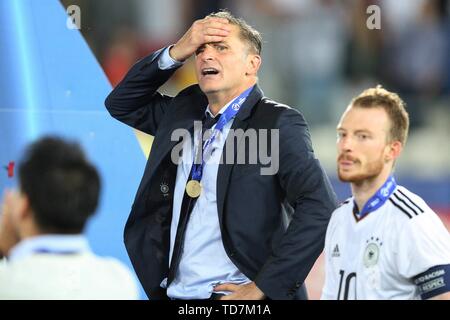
(273, 226)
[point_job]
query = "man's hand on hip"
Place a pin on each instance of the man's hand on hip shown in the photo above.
(248, 291)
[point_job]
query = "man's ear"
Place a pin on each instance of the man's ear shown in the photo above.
(9, 233)
(22, 207)
(394, 150)
(253, 64)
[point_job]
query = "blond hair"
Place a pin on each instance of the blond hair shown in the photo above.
(394, 106)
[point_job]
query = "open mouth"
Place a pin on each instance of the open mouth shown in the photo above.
(209, 71)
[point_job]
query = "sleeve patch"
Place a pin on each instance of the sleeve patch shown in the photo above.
(434, 281)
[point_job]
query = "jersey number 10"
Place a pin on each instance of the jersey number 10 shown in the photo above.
(348, 279)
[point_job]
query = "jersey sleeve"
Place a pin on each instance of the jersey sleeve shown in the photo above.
(423, 246)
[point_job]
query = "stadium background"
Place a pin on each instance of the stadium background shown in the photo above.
(317, 55)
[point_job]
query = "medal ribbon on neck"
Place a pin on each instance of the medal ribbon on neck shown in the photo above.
(225, 117)
(379, 198)
(193, 187)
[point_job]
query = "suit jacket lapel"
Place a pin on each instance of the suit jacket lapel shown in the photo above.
(163, 144)
(240, 122)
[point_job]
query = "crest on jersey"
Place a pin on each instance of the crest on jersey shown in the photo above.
(372, 252)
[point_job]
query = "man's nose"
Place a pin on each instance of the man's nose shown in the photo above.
(345, 144)
(207, 53)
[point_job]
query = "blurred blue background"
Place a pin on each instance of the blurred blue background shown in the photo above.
(52, 84)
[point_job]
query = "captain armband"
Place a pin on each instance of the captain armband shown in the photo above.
(434, 281)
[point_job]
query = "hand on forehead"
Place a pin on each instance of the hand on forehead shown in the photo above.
(216, 27)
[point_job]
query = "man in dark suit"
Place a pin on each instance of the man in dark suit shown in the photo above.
(202, 229)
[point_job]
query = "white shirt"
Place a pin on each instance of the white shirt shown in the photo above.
(63, 267)
(204, 262)
(378, 256)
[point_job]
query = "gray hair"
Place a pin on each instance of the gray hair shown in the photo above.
(247, 32)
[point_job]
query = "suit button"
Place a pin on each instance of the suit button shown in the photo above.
(232, 253)
(298, 284)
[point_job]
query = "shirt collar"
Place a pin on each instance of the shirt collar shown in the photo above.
(208, 110)
(49, 243)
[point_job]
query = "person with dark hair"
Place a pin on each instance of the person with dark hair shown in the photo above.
(41, 228)
(223, 223)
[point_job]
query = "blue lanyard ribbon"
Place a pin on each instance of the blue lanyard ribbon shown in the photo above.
(225, 117)
(379, 198)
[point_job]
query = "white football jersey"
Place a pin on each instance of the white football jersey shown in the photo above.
(82, 276)
(387, 253)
